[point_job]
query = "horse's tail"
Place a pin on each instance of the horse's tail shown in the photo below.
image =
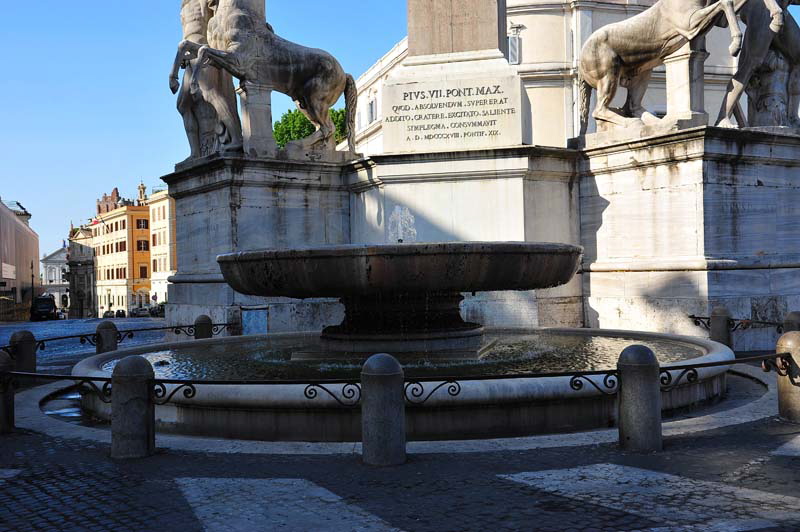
(351, 103)
(584, 101)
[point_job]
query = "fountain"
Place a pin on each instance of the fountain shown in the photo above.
(402, 298)
(312, 211)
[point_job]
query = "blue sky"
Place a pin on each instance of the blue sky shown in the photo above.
(85, 99)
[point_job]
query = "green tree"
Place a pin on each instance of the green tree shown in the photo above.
(293, 125)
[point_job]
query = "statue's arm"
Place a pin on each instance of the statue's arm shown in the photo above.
(187, 50)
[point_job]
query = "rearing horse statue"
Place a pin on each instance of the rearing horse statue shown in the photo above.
(251, 51)
(626, 52)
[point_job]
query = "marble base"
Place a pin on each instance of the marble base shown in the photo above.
(679, 223)
(228, 204)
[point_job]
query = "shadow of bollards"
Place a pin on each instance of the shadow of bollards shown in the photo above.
(203, 327)
(791, 322)
(720, 326)
(383, 417)
(23, 346)
(132, 409)
(107, 337)
(789, 377)
(639, 414)
(6, 395)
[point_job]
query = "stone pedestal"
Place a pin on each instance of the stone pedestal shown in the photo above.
(680, 223)
(233, 204)
(685, 89)
(455, 90)
(259, 139)
(508, 194)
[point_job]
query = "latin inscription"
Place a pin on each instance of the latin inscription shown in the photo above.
(454, 113)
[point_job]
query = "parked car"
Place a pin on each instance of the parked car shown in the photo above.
(120, 313)
(44, 308)
(158, 311)
(140, 312)
(108, 314)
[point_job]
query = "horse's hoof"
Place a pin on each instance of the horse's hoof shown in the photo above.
(777, 23)
(726, 123)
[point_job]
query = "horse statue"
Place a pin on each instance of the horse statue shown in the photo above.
(210, 116)
(248, 48)
(626, 52)
(759, 37)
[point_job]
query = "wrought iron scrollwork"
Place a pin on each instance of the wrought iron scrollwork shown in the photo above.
(415, 391)
(9, 351)
(90, 339)
(668, 382)
(610, 383)
(218, 329)
(160, 396)
(188, 330)
(701, 321)
(103, 393)
(350, 393)
(122, 335)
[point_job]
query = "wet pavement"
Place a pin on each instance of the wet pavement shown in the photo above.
(60, 355)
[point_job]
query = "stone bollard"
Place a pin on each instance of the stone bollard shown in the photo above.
(383, 412)
(720, 330)
(234, 321)
(6, 395)
(788, 393)
(107, 337)
(791, 322)
(23, 344)
(133, 433)
(639, 414)
(203, 327)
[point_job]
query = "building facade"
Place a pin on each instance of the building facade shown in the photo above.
(19, 262)
(121, 243)
(163, 256)
(81, 274)
(55, 281)
(545, 40)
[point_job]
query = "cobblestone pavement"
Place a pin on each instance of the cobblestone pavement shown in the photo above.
(720, 480)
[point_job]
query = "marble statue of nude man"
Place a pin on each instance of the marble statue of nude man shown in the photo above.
(209, 112)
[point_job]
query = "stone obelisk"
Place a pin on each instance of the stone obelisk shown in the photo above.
(455, 90)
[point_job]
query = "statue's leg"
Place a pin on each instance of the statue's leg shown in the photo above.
(219, 92)
(788, 43)
(606, 90)
(636, 89)
(776, 15)
(756, 46)
(186, 109)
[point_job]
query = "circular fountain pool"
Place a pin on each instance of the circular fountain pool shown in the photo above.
(483, 407)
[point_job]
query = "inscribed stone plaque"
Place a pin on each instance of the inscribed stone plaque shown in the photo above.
(454, 114)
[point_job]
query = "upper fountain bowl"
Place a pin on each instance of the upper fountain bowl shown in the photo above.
(358, 270)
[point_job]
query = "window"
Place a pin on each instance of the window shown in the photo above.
(163, 212)
(116, 226)
(372, 111)
(123, 246)
(123, 225)
(142, 223)
(142, 272)
(155, 265)
(142, 245)
(155, 239)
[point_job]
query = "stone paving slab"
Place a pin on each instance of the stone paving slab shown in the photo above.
(679, 503)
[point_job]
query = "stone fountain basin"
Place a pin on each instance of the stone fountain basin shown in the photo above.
(484, 408)
(353, 270)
